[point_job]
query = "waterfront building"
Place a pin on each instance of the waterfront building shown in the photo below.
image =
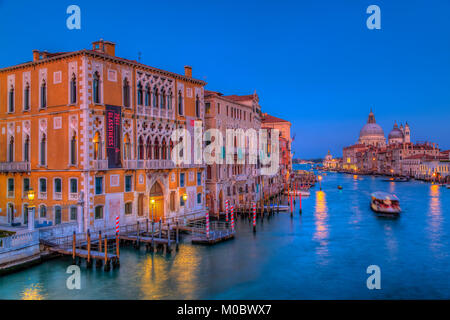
(90, 133)
(273, 184)
(237, 182)
(331, 163)
(398, 157)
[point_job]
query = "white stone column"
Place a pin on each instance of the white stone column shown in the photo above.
(80, 218)
(30, 213)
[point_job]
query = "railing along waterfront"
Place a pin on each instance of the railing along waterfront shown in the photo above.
(58, 230)
(18, 241)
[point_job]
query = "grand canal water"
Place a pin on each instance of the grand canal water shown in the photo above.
(321, 254)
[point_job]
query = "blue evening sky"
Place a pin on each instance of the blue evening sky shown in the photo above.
(314, 63)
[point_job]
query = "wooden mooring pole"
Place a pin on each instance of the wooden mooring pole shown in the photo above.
(106, 268)
(74, 247)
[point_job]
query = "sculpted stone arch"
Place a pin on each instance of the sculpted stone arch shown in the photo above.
(157, 189)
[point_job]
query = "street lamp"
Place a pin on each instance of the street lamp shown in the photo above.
(152, 202)
(320, 182)
(31, 194)
(184, 203)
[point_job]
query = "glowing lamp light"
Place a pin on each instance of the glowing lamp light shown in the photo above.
(320, 178)
(152, 201)
(184, 197)
(31, 194)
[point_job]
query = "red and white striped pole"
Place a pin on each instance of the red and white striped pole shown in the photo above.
(292, 210)
(226, 210)
(207, 224)
(117, 224)
(254, 217)
(232, 218)
(300, 201)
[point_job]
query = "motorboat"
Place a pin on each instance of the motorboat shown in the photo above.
(303, 193)
(384, 203)
(448, 186)
(277, 207)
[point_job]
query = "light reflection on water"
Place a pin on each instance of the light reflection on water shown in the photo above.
(33, 292)
(321, 254)
(435, 218)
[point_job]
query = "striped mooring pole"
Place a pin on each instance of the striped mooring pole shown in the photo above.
(300, 202)
(117, 224)
(226, 210)
(232, 218)
(207, 225)
(254, 217)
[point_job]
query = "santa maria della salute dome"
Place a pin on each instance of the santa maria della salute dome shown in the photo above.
(373, 135)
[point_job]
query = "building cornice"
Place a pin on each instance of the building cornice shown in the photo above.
(103, 56)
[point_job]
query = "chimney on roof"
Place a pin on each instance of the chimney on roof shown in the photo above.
(35, 55)
(188, 71)
(104, 46)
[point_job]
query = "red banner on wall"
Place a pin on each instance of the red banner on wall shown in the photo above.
(113, 126)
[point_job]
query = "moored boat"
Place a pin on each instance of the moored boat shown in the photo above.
(303, 193)
(385, 203)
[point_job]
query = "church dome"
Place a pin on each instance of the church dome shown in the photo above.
(371, 129)
(395, 133)
(372, 133)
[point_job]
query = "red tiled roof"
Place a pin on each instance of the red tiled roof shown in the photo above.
(235, 97)
(267, 118)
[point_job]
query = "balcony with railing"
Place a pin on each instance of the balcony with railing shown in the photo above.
(100, 164)
(15, 166)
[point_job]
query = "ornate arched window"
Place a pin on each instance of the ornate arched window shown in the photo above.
(147, 96)
(155, 97)
(141, 149)
(11, 150)
(127, 147)
(43, 150)
(126, 93)
(156, 151)
(11, 99)
(26, 97)
(97, 146)
(163, 99)
(26, 149)
(96, 88)
(149, 149)
(164, 150)
(180, 103)
(73, 89)
(197, 106)
(139, 94)
(43, 94)
(169, 100)
(73, 150)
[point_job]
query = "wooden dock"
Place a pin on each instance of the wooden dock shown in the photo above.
(213, 237)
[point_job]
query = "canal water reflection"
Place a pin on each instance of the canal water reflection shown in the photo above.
(322, 253)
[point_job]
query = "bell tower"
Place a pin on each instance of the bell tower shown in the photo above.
(407, 133)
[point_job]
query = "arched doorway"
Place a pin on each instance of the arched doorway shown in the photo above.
(157, 194)
(221, 206)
